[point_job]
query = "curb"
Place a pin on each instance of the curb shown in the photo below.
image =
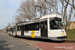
(25, 42)
(31, 45)
(70, 40)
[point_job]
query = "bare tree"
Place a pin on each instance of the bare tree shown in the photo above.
(70, 3)
(52, 6)
(9, 24)
(47, 6)
(67, 15)
(27, 10)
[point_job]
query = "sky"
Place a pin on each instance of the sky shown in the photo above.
(7, 11)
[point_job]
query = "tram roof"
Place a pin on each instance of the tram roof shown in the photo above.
(43, 18)
(30, 22)
(51, 16)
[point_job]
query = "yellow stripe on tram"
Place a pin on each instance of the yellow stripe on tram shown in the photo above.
(63, 34)
(33, 34)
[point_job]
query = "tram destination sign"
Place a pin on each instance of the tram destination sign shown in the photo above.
(59, 19)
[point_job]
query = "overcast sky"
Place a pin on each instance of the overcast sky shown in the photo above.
(7, 10)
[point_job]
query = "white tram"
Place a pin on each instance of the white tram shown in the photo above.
(47, 27)
(9, 31)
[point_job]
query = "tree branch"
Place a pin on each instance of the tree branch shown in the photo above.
(49, 3)
(69, 4)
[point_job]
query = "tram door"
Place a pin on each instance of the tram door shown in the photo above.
(44, 32)
(12, 31)
(22, 30)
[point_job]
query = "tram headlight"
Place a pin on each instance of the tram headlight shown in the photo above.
(63, 33)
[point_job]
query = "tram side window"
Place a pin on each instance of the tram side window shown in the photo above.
(32, 27)
(27, 27)
(14, 28)
(41, 24)
(53, 25)
(11, 29)
(45, 25)
(19, 28)
(37, 26)
(23, 27)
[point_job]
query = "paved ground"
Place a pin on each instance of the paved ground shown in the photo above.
(55, 46)
(9, 43)
(47, 44)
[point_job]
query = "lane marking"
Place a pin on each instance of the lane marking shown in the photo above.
(8, 46)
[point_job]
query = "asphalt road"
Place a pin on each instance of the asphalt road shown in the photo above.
(9, 43)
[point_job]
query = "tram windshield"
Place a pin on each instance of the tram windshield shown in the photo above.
(56, 24)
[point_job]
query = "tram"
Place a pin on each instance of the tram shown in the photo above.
(9, 30)
(47, 27)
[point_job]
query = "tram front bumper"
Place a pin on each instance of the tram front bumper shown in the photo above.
(62, 37)
(58, 38)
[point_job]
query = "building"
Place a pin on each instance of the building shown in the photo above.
(72, 26)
